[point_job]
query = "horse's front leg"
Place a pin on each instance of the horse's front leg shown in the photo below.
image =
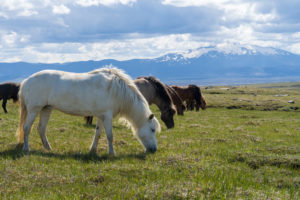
(4, 104)
(109, 134)
(98, 131)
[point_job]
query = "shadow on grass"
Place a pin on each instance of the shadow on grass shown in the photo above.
(16, 153)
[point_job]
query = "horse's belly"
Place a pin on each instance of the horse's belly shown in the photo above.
(80, 106)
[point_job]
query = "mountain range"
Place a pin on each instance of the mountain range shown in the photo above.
(214, 65)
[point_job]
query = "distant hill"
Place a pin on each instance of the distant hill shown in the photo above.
(209, 65)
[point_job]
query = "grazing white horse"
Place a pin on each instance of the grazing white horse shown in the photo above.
(104, 93)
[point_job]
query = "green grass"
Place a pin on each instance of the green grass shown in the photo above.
(250, 151)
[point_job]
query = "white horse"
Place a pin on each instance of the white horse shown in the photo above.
(104, 93)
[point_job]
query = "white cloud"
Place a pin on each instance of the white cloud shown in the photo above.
(243, 34)
(87, 3)
(13, 40)
(21, 7)
(61, 9)
(117, 49)
(2, 14)
(10, 38)
(247, 11)
(294, 48)
(185, 3)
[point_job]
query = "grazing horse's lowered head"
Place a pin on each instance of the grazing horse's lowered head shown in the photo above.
(156, 93)
(8, 91)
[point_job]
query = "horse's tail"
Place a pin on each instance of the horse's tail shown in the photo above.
(22, 115)
(197, 94)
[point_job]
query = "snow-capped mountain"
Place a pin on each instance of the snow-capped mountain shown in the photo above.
(222, 64)
(214, 51)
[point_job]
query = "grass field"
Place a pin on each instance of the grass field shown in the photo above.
(245, 145)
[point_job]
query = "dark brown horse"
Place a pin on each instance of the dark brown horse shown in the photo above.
(177, 101)
(192, 95)
(8, 91)
(156, 93)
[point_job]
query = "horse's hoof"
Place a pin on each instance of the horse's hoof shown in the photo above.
(19, 146)
(48, 148)
(111, 154)
(93, 151)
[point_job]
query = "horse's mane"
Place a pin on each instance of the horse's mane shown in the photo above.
(160, 88)
(121, 84)
(120, 74)
(175, 95)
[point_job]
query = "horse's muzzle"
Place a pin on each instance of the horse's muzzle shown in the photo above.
(151, 150)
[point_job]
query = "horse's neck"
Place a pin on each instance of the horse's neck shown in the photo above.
(135, 113)
(161, 104)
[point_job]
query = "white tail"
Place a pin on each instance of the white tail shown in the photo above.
(23, 114)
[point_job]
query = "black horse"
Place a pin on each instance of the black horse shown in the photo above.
(8, 91)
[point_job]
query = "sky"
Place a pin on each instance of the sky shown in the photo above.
(57, 31)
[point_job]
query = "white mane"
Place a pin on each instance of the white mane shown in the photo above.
(133, 104)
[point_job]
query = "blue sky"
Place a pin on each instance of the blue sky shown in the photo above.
(72, 30)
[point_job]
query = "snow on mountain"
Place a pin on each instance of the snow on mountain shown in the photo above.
(222, 49)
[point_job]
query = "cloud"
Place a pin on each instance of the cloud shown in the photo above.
(12, 39)
(23, 8)
(142, 47)
(87, 3)
(61, 9)
(69, 30)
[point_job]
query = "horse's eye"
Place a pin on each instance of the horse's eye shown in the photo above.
(153, 130)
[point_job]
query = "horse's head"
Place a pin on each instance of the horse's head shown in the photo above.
(180, 109)
(167, 117)
(202, 103)
(146, 134)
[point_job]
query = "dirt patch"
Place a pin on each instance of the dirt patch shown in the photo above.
(255, 161)
(234, 107)
(97, 180)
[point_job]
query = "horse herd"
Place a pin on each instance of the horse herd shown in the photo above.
(103, 93)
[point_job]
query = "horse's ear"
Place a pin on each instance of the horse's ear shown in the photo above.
(151, 117)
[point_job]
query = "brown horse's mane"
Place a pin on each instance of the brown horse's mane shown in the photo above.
(160, 88)
(177, 98)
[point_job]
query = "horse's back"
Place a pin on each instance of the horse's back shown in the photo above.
(73, 93)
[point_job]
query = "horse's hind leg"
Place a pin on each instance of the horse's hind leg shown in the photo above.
(27, 127)
(44, 118)
(89, 120)
(109, 135)
(98, 131)
(4, 104)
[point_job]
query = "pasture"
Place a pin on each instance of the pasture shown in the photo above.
(245, 145)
